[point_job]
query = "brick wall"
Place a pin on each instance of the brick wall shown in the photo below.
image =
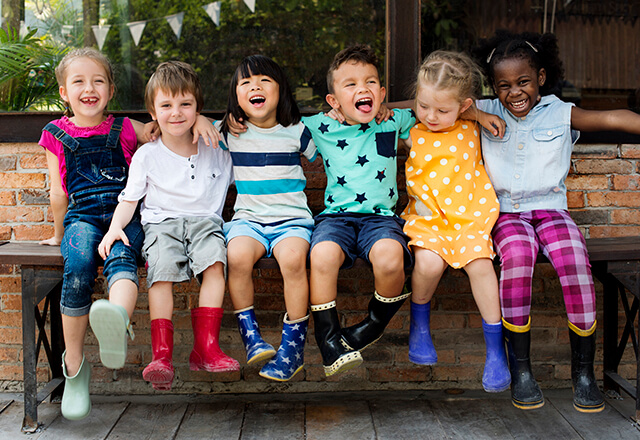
(604, 194)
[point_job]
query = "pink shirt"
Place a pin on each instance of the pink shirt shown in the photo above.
(128, 140)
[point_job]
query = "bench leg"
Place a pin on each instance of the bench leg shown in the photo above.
(30, 357)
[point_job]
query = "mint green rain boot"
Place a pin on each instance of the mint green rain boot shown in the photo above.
(110, 324)
(76, 403)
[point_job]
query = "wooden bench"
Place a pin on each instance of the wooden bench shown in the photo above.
(615, 263)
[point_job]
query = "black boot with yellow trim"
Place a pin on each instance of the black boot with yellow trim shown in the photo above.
(525, 392)
(587, 397)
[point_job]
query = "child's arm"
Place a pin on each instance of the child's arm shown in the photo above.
(616, 120)
(204, 127)
(495, 124)
(59, 200)
(121, 218)
(145, 132)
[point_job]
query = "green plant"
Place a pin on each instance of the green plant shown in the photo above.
(27, 77)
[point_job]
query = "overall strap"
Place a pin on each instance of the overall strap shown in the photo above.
(114, 133)
(62, 136)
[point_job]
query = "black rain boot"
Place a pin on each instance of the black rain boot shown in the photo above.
(335, 357)
(525, 392)
(371, 328)
(587, 398)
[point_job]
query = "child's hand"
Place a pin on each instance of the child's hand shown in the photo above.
(204, 127)
(493, 123)
(235, 127)
(336, 115)
(151, 132)
(112, 235)
(384, 114)
(53, 241)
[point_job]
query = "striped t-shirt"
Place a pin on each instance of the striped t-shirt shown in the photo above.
(268, 172)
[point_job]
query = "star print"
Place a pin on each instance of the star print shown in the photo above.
(292, 344)
(342, 143)
(360, 198)
(286, 360)
(342, 209)
(326, 163)
(250, 333)
(341, 180)
(298, 356)
(380, 175)
(330, 199)
(362, 160)
(323, 128)
(391, 193)
(364, 127)
(391, 118)
(295, 327)
(377, 210)
(413, 114)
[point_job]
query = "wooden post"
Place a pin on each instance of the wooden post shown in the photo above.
(403, 47)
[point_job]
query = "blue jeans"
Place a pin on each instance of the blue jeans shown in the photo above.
(86, 222)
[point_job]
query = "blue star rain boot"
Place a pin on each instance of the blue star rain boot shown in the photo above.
(257, 349)
(289, 358)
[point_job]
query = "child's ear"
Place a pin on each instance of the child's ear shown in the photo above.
(383, 94)
(332, 101)
(465, 105)
(63, 93)
(542, 77)
(113, 90)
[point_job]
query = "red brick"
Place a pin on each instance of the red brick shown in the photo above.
(7, 198)
(11, 285)
(21, 214)
(32, 232)
(33, 161)
(11, 302)
(628, 151)
(602, 152)
(22, 180)
(599, 166)
(613, 231)
(21, 148)
(400, 374)
(611, 198)
(588, 182)
(625, 216)
(5, 232)
(10, 319)
(626, 182)
(10, 354)
(575, 199)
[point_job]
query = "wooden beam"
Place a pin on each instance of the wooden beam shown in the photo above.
(403, 47)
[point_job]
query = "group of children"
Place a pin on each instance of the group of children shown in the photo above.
(180, 181)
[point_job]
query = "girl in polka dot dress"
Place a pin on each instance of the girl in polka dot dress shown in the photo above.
(452, 208)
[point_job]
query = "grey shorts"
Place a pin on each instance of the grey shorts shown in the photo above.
(177, 249)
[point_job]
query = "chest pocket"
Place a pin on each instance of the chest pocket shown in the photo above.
(548, 139)
(496, 141)
(386, 144)
(95, 163)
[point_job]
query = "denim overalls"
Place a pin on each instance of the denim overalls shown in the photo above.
(96, 173)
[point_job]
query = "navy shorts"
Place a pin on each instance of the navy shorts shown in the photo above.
(357, 233)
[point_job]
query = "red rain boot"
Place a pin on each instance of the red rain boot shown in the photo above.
(206, 354)
(160, 371)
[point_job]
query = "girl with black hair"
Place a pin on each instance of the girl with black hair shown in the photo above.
(528, 167)
(271, 213)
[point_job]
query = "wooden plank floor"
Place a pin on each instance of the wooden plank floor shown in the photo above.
(354, 415)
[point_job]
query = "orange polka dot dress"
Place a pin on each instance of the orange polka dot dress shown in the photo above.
(452, 205)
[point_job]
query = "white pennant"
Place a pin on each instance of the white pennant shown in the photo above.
(251, 4)
(136, 28)
(175, 21)
(101, 33)
(213, 11)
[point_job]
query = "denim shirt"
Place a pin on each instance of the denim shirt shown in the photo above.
(529, 165)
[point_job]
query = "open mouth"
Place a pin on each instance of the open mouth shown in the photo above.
(257, 100)
(89, 100)
(519, 106)
(364, 105)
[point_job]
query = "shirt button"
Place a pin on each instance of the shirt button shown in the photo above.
(549, 133)
(193, 177)
(517, 205)
(517, 176)
(520, 146)
(193, 166)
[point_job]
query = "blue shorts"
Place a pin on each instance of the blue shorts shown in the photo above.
(357, 233)
(269, 235)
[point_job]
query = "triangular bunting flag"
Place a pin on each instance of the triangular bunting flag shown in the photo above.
(175, 21)
(136, 28)
(213, 11)
(251, 4)
(101, 33)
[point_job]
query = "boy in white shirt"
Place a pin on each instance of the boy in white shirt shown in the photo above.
(183, 187)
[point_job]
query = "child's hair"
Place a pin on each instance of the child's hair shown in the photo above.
(445, 70)
(71, 56)
(359, 53)
(287, 112)
(541, 51)
(175, 78)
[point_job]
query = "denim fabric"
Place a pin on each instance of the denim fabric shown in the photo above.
(96, 173)
(529, 165)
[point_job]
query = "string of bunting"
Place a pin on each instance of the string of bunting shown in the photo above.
(174, 20)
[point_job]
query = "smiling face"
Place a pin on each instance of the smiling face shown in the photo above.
(439, 109)
(175, 114)
(517, 85)
(87, 90)
(356, 92)
(258, 97)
